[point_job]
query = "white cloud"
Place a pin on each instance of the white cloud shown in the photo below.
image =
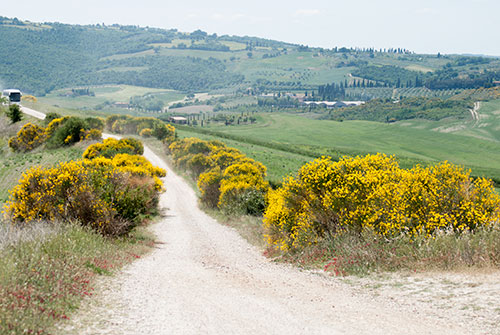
(307, 12)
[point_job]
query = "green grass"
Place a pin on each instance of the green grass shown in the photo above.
(46, 270)
(302, 66)
(115, 93)
(411, 144)
(486, 128)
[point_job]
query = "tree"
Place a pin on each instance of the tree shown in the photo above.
(14, 113)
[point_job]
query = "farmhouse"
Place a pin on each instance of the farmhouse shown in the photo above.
(177, 119)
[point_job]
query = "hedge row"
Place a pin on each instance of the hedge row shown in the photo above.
(226, 178)
(110, 193)
(59, 132)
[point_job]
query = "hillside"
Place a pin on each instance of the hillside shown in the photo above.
(42, 57)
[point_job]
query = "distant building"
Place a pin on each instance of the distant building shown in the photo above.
(177, 119)
(121, 104)
(334, 104)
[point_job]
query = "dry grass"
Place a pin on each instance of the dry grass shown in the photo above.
(47, 269)
(352, 254)
(11, 235)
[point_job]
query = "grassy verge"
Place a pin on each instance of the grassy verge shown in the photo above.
(351, 254)
(43, 277)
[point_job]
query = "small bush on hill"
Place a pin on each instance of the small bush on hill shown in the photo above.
(69, 132)
(111, 147)
(14, 113)
(29, 137)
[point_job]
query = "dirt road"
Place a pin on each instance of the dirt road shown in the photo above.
(32, 112)
(204, 278)
(473, 111)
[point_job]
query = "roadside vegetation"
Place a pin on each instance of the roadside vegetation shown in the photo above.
(64, 224)
(366, 214)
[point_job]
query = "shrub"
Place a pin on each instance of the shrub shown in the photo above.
(93, 135)
(95, 123)
(243, 189)
(225, 177)
(373, 192)
(163, 131)
(14, 113)
(54, 124)
(49, 117)
(197, 164)
(111, 147)
(28, 138)
(209, 186)
(146, 132)
(69, 132)
(109, 195)
(110, 120)
(123, 124)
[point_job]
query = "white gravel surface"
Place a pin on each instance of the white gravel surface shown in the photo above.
(32, 112)
(203, 278)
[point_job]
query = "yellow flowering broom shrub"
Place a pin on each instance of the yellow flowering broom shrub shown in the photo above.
(209, 186)
(133, 164)
(27, 138)
(243, 188)
(60, 131)
(226, 178)
(109, 194)
(146, 132)
(54, 124)
(111, 147)
(373, 192)
(93, 135)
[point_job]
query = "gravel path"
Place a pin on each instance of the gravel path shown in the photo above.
(203, 278)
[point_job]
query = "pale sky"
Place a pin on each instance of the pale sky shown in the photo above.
(423, 26)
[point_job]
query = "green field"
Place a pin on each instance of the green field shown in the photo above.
(416, 141)
(113, 93)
